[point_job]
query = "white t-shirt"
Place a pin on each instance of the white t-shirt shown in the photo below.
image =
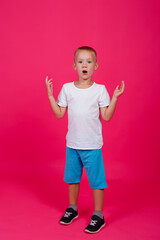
(84, 121)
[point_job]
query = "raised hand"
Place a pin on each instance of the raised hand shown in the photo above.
(49, 86)
(117, 91)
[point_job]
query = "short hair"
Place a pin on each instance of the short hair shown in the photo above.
(86, 48)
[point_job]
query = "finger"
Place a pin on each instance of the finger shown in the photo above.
(50, 84)
(46, 79)
(122, 85)
(50, 80)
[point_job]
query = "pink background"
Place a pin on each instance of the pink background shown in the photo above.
(38, 38)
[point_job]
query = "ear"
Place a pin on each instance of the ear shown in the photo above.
(96, 66)
(74, 66)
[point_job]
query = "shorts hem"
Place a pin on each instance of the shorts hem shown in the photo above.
(71, 181)
(101, 187)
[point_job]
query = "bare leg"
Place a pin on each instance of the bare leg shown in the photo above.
(98, 196)
(73, 189)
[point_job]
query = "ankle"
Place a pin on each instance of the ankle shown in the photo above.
(73, 206)
(99, 214)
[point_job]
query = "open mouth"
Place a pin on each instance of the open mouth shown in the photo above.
(84, 71)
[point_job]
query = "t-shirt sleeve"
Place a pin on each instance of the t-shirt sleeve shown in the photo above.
(62, 98)
(104, 99)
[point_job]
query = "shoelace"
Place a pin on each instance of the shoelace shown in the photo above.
(67, 214)
(93, 222)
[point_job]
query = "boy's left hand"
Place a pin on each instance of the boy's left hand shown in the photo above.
(117, 91)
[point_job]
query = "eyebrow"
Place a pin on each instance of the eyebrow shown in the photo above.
(84, 58)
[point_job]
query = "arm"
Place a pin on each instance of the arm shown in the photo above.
(107, 112)
(57, 110)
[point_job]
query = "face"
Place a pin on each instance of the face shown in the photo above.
(85, 64)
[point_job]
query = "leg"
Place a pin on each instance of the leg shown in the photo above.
(97, 220)
(72, 174)
(93, 163)
(73, 189)
(98, 196)
(71, 212)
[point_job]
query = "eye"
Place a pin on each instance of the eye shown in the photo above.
(89, 61)
(80, 61)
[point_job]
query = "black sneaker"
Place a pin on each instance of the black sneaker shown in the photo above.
(69, 216)
(95, 224)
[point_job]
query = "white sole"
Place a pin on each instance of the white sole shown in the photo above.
(69, 222)
(96, 231)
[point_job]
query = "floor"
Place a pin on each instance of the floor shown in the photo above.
(30, 207)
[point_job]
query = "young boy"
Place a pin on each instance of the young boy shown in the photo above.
(85, 100)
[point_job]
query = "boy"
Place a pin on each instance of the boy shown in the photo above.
(84, 100)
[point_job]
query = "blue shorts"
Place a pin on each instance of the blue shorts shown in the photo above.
(91, 160)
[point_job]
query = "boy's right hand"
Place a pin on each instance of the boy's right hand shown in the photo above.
(49, 86)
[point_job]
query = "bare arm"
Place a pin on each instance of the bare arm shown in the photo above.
(57, 110)
(107, 112)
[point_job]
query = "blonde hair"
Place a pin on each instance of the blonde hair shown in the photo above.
(86, 48)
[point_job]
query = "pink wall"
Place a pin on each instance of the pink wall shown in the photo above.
(38, 38)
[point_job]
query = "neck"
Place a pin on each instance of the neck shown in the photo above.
(84, 82)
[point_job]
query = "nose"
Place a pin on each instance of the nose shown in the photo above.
(84, 64)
